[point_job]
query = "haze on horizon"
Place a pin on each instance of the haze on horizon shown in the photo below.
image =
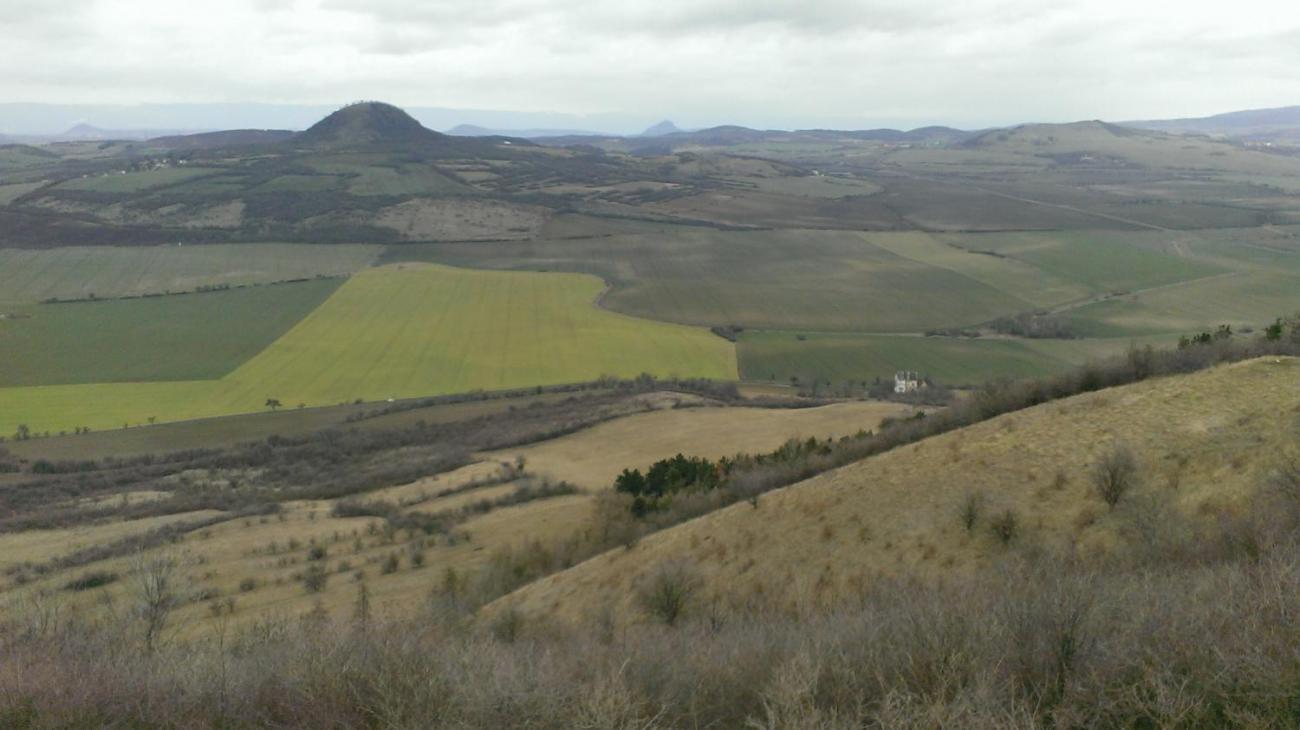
(623, 63)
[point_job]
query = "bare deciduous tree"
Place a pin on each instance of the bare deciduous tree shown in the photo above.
(669, 591)
(1115, 475)
(154, 594)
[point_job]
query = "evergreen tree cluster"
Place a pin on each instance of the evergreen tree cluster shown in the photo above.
(654, 489)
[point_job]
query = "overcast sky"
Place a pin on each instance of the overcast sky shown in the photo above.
(777, 63)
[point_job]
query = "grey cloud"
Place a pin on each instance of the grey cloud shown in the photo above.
(760, 62)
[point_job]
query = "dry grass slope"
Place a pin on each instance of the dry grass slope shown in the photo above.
(1202, 443)
(257, 562)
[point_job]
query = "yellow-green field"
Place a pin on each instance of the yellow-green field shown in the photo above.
(403, 331)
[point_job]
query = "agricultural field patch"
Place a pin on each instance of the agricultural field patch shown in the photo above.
(199, 336)
(227, 431)
(802, 358)
(575, 225)
(10, 193)
(593, 457)
(390, 180)
(405, 331)
(815, 186)
(18, 156)
(462, 219)
(752, 208)
(77, 272)
(301, 184)
(134, 182)
(963, 255)
(825, 280)
(1102, 262)
(1240, 299)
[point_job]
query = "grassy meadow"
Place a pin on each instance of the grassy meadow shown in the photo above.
(135, 182)
(77, 272)
(777, 356)
(843, 292)
(404, 331)
(823, 280)
(10, 193)
(201, 336)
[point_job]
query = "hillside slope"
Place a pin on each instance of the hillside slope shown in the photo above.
(1202, 442)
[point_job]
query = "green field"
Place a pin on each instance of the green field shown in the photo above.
(366, 177)
(823, 280)
(78, 272)
(847, 281)
(863, 283)
(958, 253)
(839, 358)
(17, 156)
(180, 337)
(134, 182)
(10, 193)
(1240, 299)
(405, 331)
(1103, 262)
(300, 184)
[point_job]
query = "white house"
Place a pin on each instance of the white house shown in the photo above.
(907, 381)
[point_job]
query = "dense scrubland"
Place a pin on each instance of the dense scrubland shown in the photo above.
(1191, 636)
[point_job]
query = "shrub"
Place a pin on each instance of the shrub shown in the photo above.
(317, 552)
(669, 591)
(1005, 526)
(314, 579)
(391, 564)
(247, 585)
(93, 579)
(1115, 475)
(972, 506)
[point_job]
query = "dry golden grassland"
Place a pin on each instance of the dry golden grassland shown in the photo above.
(594, 457)
(1202, 442)
(248, 568)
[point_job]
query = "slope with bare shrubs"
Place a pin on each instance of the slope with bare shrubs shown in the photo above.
(1194, 447)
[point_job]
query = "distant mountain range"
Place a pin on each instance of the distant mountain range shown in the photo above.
(45, 121)
(730, 135)
(89, 133)
(472, 130)
(1253, 124)
(253, 123)
(660, 129)
(229, 138)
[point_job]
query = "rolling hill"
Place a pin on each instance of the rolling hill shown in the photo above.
(223, 140)
(1199, 452)
(366, 124)
(1279, 122)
